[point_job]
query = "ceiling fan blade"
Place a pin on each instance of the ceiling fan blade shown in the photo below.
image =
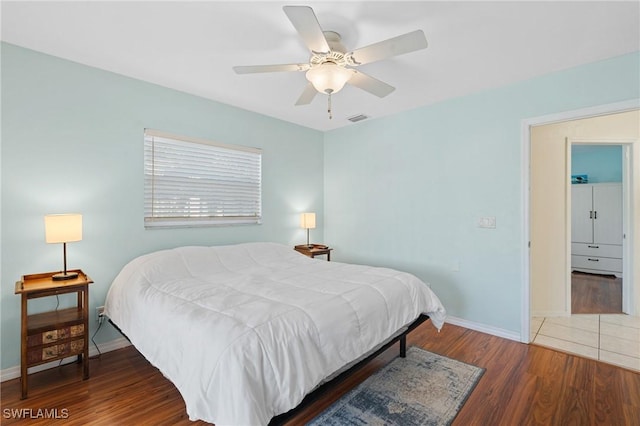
(248, 69)
(395, 46)
(304, 20)
(370, 84)
(307, 95)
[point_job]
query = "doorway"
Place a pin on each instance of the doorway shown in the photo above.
(547, 257)
(547, 228)
(596, 213)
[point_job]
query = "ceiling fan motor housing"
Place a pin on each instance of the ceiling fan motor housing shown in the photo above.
(335, 55)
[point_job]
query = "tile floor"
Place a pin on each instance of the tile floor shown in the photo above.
(611, 338)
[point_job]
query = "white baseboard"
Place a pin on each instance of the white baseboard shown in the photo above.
(494, 331)
(14, 372)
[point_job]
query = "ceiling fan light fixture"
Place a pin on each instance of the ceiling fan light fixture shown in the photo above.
(328, 77)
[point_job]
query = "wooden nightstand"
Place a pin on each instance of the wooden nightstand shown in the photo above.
(58, 334)
(314, 250)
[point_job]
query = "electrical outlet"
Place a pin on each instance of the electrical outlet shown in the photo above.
(99, 313)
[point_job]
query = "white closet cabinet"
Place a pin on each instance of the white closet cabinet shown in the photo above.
(596, 228)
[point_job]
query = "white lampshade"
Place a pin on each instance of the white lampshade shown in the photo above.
(308, 220)
(328, 77)
(63, 228)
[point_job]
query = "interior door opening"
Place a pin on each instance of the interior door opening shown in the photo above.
(596, 213)
(547, 198)
(550, 319)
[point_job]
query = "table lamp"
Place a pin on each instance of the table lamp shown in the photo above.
(63, 228)
(308, 221)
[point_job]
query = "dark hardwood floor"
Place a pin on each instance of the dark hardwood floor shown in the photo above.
(595, 294)
(522, 385)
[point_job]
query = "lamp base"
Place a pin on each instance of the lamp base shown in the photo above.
(62, 276)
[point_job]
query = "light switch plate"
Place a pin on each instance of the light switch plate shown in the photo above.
(487, 222)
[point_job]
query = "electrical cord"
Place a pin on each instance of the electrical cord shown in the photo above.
(100, 321)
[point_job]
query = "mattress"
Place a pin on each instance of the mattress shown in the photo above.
(245, 331)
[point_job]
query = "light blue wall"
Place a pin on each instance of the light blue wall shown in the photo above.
(72, 141)
(407, 191)
(601, 163)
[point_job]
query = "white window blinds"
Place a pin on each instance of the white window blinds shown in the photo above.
(194, 182)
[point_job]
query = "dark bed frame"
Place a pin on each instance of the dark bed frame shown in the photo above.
(325, 387)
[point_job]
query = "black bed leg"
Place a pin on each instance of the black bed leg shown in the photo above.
(403, 346)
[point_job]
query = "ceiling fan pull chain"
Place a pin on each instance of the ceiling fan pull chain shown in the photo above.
(329, 108)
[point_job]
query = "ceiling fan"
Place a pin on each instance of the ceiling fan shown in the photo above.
(331, 65)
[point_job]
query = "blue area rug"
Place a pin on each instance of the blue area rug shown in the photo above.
(421, 389)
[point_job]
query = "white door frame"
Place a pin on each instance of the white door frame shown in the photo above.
(526, 124)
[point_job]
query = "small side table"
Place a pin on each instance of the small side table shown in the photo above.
(53, 335)
(314, 250)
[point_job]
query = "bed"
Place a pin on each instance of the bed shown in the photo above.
(245, 331)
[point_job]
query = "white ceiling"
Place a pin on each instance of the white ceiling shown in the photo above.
(191, 46)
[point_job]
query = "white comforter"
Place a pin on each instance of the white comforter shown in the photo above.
(245, 331)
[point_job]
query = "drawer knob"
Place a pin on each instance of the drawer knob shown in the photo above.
(593, 246)
(593, 260)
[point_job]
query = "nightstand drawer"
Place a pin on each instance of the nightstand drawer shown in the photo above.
(46, 353)
(51, 336)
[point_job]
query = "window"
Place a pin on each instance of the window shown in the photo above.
(194, 182)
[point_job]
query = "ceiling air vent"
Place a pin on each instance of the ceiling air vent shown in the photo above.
(357, 118)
